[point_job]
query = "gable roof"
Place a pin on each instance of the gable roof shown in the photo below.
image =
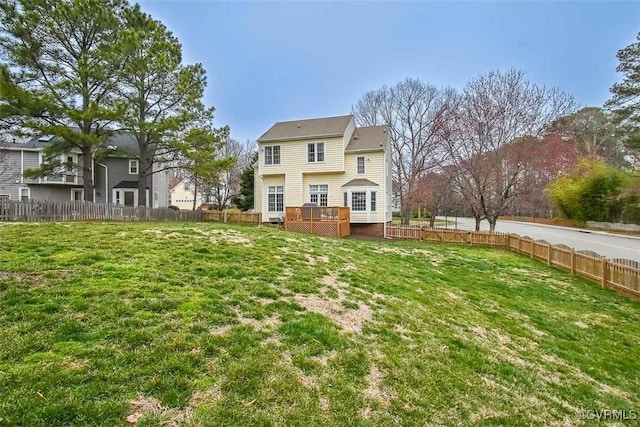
(307, 129)
(360, 182)
(118, 144)
(368, 138)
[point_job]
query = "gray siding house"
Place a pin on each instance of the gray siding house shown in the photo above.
(115, 174)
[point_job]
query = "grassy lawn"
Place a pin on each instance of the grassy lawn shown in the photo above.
(203, 324)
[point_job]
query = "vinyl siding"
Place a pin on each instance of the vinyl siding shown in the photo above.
(8, 185)
(296, 174)
(184, 199)
(160, 184)
(118, 170)
(375, 172)
(266, 182)
(257, 191)
(351, 127)
(293, 157)
(59, 193)
(31, 160)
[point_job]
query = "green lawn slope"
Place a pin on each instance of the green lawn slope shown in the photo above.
(200, 324)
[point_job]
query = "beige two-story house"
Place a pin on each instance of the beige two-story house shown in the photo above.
(330, 162)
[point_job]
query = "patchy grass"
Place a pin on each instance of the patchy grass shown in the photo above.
(202, 324)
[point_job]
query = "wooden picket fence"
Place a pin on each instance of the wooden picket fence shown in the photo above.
(231, 217)
(43, 210)
(620, 274)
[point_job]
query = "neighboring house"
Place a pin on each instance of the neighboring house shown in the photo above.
(329, 162)
(182, 195)
(115, 174)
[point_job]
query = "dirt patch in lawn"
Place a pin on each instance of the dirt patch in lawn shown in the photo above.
(350, 319)
(141, 406)
(374, 391)
(32, 277)
(265, 323)
(215, 236)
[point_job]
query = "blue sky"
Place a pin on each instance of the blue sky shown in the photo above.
(274, 61)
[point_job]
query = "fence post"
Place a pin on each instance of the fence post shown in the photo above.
(573, 262)
(549, 254)
(224, 213)
(533, 248)
(519, 244)
(605, 268)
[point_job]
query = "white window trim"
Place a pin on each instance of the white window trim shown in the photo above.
(366, 199)
(275, 193)
(367, 190)
(137, 163)
(20, 193)
(123, 190)
(319, 193)
(364, 165)
(265, 155)
(8, 196)
(73, 190)
(315, 152)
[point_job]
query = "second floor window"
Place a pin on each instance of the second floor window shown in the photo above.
(133, 167)
(360, 161)
(315, 152)
(319, 194)
(272, 155)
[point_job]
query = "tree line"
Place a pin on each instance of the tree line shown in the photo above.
(505, 145)
(84, 70)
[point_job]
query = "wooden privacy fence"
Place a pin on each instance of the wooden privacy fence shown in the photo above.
(231, 217)
(620, 274)
(44, 210)
(321, 220)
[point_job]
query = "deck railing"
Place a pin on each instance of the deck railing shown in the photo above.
(331, 221)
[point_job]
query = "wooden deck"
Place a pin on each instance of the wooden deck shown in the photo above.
(321, 220)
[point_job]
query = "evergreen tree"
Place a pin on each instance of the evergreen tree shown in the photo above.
(245, 200)
(625, 102)
(62, 63)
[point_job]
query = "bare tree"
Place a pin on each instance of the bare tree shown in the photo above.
(497, 114)
(593, 133)
(436, 192)
(416, 114)
(227, 183)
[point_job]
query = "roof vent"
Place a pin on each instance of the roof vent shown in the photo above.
(384, 130)
(45, 138)
(298, 125)
(355, 136)
(112, 147)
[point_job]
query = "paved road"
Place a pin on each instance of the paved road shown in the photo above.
(609, 245)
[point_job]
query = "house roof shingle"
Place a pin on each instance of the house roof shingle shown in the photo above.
(127, 184)
(360, 182)
(306, 129)
(123, 144)
(368, 138)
